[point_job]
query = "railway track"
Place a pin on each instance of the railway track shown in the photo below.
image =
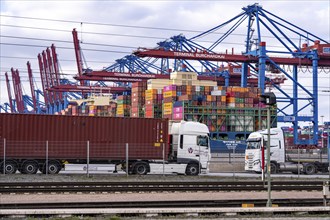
(87, 187)
(164, 204)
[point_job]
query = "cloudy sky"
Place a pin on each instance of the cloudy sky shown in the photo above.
(109, 30)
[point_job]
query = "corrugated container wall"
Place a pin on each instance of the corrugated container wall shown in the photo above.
(108, 132)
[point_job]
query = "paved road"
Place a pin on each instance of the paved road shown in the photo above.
(108, 169)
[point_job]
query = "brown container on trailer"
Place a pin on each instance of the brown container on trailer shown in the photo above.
(26, 135)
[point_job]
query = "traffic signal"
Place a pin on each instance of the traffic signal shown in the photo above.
(268, 98)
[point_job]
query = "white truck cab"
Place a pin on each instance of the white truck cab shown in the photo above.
(255, 154)
(256, 157)
(191, 146)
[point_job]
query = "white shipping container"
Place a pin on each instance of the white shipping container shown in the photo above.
(218, 92)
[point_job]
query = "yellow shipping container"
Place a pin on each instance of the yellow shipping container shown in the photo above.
(168, 94)
(120, 112)
(120, 108)
(151, 92)
(168, 105)
(149, 96)
(167, 111)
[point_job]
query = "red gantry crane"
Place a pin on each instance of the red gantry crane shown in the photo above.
(11, 103)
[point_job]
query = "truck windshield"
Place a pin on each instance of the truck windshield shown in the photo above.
(253, 145)
(203, 141)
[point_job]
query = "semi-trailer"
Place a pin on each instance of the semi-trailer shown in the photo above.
(45, 143)
(256, 157)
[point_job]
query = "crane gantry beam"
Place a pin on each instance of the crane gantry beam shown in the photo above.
(220, 57)
(89, 89)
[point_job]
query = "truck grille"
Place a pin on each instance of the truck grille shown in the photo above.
(250, 161)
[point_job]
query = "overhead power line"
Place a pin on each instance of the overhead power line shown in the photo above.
(124, 26)
(70, 48)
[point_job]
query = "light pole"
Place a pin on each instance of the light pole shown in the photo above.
(269, 99)
(322, 145)
(269, 201)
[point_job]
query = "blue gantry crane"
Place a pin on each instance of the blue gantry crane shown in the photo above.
(288, 39)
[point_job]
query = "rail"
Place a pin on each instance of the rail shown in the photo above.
(87, 187)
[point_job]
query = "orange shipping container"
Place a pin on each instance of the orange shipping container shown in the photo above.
(169, 94)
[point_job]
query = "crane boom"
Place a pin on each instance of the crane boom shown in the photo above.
(32, 87)
(9, 94)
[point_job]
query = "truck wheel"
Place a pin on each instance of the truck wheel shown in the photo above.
(309, 169)
(29, 167)
(10, 167)
(53, 167)
(141, 168)
(192, 169)
(273, 168)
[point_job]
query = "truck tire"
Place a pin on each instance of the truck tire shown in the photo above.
(29, 167)
(54, 167)
(141, 168)
(309, 169)
(11, 167)
(192, 169)
(273, 168)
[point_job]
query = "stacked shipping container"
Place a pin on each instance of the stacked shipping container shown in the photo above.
(183, 97)
(153, 103)
(123, 106)
(138, 99)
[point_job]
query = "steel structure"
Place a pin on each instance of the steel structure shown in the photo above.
(132, 68)
(5, 108)
(11, 102)
(260, 21)
(21, 107)
(34, 100)
(21, 102)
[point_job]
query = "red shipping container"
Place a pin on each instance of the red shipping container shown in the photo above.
(67, 137)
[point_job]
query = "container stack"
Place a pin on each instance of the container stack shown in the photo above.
(153, 104)
(169, 96)
(123, 106)
(138, 99)
(183, 97)
(112, 109)
(90, 110)
(83, 110)
(232, 109)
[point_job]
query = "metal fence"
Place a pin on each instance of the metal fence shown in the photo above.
(83, 153)
(87, 153)
(233, 162)
(30, 157)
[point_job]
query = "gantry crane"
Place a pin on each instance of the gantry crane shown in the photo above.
(315, 56)
(11, 102)
(21, 108)
(34, 101)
